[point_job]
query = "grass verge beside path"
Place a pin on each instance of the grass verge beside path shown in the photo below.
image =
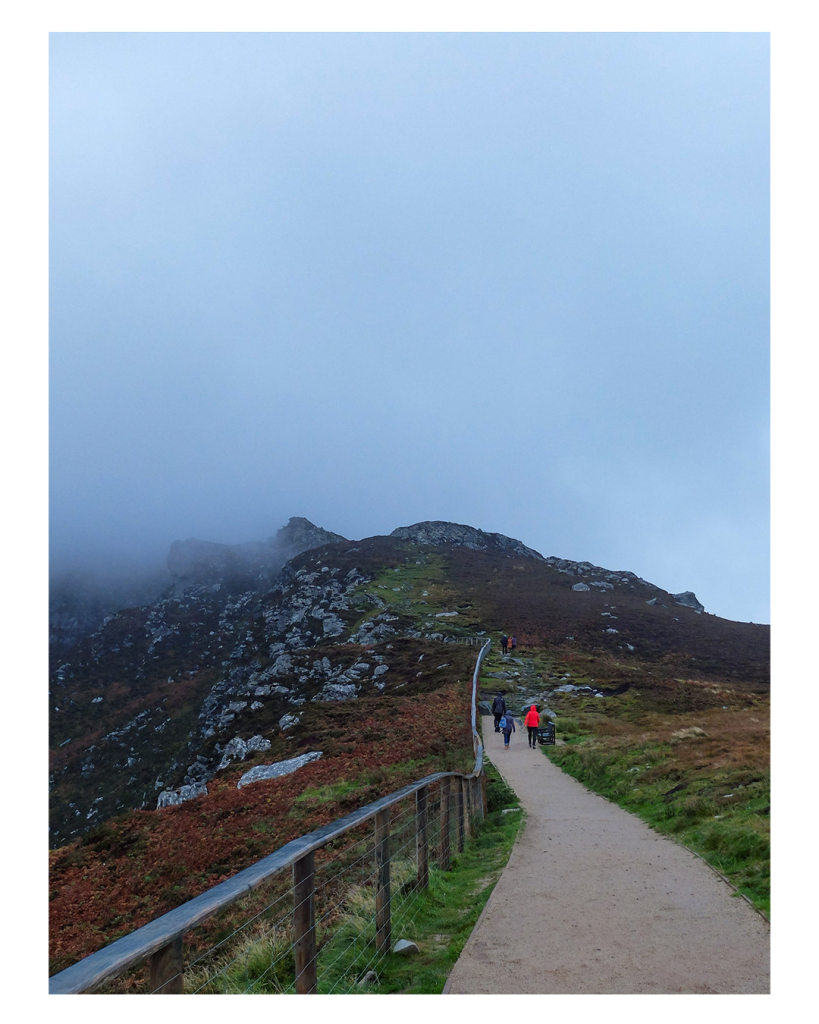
(719, 810)
(438, 921)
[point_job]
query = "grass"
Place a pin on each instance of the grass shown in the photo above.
(711, 795)
(439, 921)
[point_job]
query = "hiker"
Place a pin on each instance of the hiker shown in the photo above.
(532, 722)
(504, 643)
(513, 644)
(498, 708)
(507, 725)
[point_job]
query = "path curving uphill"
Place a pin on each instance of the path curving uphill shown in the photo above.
(594, 901)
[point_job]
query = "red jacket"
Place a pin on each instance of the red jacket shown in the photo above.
(532, 717)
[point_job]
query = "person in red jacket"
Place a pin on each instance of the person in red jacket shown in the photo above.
(532, 721)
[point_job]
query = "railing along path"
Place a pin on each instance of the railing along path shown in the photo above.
(326, 878)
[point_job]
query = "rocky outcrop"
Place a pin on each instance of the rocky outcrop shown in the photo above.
(174, 797)
(302, 535)
(202, 561)
(688, 599)
(442, 534)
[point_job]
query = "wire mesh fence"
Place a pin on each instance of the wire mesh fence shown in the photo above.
(318, 915)
(327, 929)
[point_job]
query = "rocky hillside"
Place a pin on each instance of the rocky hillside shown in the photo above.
(147, 709)
(188, 733)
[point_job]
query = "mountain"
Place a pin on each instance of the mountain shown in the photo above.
(335, 657)
(151, 701)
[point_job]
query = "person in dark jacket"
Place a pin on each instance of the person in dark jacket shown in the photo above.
(498, 708)
(504, 643)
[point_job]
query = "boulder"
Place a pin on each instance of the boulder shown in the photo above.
(173, 797)
(405, 947)
(275, 771)
(688, 599)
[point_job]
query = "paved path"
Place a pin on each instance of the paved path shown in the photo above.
(593, 901)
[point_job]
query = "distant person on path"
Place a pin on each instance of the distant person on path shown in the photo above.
(532, 721)
(513, 643)
(498, 709)
(507, 724)
(504, 643)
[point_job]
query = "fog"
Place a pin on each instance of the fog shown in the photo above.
(518, 281)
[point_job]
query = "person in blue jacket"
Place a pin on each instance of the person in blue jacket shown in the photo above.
(507, 725)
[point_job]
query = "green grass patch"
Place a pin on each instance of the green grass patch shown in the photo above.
(439, 921)
(327, 794)
(712, 811)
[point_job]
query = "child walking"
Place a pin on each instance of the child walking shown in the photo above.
(507, 724)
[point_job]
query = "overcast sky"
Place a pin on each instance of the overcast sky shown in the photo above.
(518, 281)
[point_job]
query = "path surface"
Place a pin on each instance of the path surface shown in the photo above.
(593, 901)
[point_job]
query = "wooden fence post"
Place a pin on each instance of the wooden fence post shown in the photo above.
(383, 927)
(304, 925)
(421, 838)
(444, 854)
(484, 804)
(461, 822)
(166, 969)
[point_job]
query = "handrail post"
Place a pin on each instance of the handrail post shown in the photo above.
(166, 969)
(444, 854)
(460, 797)
(421, 837)
(304, 925)
(383, 928)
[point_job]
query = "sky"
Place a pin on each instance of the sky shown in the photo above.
(513, 280)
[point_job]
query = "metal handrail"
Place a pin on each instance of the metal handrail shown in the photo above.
(90, 972)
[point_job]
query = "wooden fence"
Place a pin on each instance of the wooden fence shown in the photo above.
(458, 800)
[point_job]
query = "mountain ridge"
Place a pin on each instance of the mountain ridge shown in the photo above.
(332, 668)
(230, 645)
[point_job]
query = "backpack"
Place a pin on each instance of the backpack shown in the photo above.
(503, 723)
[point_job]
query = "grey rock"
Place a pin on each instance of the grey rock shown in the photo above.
(173, 797)
(275, 771)
(405, 947)
(337, 691)
(258, 743)
(580, 586)
(441, 533)
(688, 599)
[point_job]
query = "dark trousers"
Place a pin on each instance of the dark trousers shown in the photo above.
(498, 716)
(532, 735)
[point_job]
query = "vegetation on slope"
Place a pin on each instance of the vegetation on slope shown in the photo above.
(664, 670)
(438, 921)
(134, 868)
